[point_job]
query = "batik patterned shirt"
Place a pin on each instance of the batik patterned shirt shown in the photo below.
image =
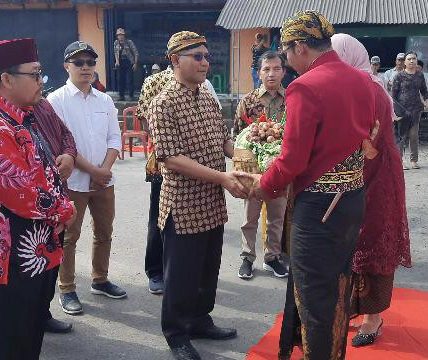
(256, 103)
(189, 123)
(32, 200)
(152, 86)
(127, 50)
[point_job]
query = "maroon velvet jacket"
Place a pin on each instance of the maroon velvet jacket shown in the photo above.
(54, 130)
(330, 111)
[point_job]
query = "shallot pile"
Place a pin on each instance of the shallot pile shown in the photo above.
(265, 132)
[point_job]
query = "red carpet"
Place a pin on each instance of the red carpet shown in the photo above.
(404, 335)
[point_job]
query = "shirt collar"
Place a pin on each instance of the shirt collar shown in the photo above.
(328, 56)
(179, 86)
(262, 90)
(75, 90)
(15, 112)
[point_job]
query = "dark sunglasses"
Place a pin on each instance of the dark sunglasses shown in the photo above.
(199, 56)
(81, 63)
(37, 75)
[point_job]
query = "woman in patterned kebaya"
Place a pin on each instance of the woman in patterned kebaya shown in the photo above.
(384, 242)
(33, 206)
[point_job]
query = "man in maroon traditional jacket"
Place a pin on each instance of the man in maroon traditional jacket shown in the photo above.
(330, 111)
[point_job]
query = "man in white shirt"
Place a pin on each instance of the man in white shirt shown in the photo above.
(92, 118)
(388, 76)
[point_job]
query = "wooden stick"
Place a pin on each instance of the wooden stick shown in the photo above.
(332, 206)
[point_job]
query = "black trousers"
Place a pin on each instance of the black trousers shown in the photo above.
(191, 267)
(52, 278)
(126, 78)
(291, 327)
(321, 255)
(154, 248)
(22, 316)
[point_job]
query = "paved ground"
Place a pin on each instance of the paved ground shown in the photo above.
(130, 329)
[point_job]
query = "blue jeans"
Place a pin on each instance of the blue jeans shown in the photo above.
(256, 79)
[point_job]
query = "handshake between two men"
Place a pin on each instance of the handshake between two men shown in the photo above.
(244, 185)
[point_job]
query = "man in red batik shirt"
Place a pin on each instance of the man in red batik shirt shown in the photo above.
(33, 206)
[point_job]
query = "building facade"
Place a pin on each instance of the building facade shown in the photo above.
(385, 27)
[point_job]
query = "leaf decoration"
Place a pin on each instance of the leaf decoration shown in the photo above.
(11, 176)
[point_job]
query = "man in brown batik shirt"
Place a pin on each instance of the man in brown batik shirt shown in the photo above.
(191, 140)
(267, 100)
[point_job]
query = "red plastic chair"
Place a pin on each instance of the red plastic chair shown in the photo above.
(135, 132)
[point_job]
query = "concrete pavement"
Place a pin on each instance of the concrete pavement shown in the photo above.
(130, 329)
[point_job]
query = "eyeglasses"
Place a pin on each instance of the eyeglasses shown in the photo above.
(81, 62)
(199, 56)
(37, 75)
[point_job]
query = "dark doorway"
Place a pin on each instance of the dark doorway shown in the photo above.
(53, 31)
(386, 48)
(151, 31)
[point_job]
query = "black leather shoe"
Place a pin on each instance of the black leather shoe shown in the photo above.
(366, 339)
(185, 352)
(214, 333)
(57, 327)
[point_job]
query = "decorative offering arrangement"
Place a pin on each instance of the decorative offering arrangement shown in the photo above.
(258, 144)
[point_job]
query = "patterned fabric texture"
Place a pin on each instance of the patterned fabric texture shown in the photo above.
(371, 293)
(152, 86)
(305, 25)
(346, 176)
(257, 102)
(184, 122)
(126, 50)
(32, 199)
(183, 40)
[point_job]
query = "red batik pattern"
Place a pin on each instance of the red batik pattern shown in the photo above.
(32, 201)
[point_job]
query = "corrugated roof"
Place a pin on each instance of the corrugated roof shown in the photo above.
(397, 12)
(246, 14)
(218, 3)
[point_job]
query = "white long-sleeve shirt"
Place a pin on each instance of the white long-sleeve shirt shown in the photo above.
(93, 123)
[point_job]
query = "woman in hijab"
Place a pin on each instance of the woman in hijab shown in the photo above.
(384, 242)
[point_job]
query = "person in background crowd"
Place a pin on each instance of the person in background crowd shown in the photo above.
(375, 65)
(126, 60)
(257, 50)
(420, 68)
(290, 75)
(64, 151)
(268, 99)
(384, 241)
(152, 86)
(92, 118)
(407, 88)
(34, 208)
(317, 150)
(191, 140)
(155, 69)
(96, 83)
(275, 44)
(388, 75)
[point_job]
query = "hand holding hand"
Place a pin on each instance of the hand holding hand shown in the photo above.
(232, 184)
(65, 164)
